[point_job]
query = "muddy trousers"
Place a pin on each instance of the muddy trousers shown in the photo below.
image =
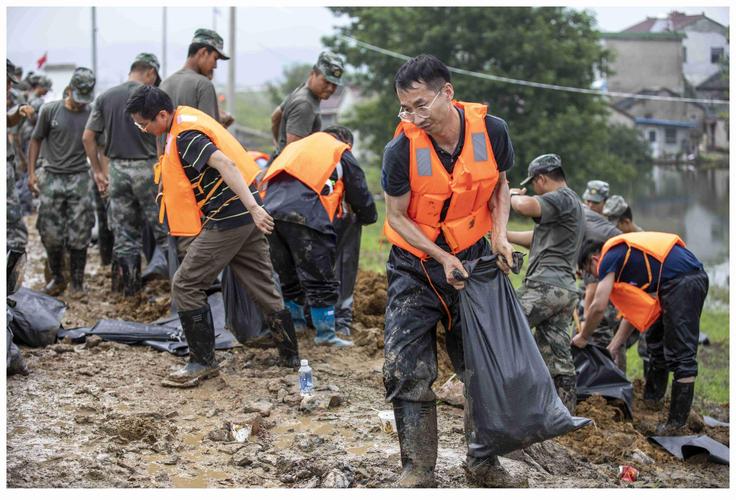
(349, 232)
(245, 249)
(672, 342)
(66, 212)
(17, 233)
(305, 262)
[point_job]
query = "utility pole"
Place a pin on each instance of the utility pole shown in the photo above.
(94, 42)
(163, 45)
(231, 65)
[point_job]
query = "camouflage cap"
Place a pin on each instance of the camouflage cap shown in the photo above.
(46, 82)
(596, 191)
(152, 61)
(615, 207)
(10, 71)
(211, 38)
(542, 165)
(83, 85)
(332, 66)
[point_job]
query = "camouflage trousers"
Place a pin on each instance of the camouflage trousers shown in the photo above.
(548, 310)
(66, 213)
(132, 195)
(17, 232)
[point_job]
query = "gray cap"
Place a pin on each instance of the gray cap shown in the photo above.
(541, 165)
(211, 38)
(150, 60)
(10, 70)
(332, 66)
(83, 85)
(596, 191)
(615, 207)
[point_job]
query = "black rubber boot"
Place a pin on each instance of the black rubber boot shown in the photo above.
(681, 400)
(16, 265)
(105, 240)
(55, 262)
(199, 331)
(567, 389)
(132, 282)
(116, 275)
(416, 424)
(282, 330)
(77, 263)
(655, 387)
(486, 472)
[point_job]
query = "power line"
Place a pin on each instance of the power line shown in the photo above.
(547, 86)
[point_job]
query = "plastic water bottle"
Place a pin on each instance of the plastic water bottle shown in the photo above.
(305, 379)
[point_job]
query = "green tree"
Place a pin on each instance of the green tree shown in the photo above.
(293, 75)
(546, 44)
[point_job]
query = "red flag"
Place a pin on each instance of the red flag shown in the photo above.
(42, 60)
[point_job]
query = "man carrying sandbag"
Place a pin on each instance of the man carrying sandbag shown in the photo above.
(655, 282)
(444, 179)
(549, 293)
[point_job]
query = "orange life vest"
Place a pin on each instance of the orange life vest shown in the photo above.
(312, 161)
(469, 187)
(636, 305)
(179, 202)
(259, 155)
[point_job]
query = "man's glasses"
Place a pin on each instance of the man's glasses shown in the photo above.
(422, 112)
(142, 128)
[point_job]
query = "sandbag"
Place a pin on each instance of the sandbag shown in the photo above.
(36, 317)
(14, 363)
(509, 391)
(598, 374)
(131, 332)
(684, 447)
(242, 316)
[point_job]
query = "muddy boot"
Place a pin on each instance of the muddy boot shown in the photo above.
(324, 322)
(567, 389)
(416, 425)
(55, 262)
(77, 263)
(681, 400)
(489, 473)
(105, 241)
(297, 315)
(199, 331)
(654, 388)
(16, 265)
(132, 282)
(282, 330)
(116, 275)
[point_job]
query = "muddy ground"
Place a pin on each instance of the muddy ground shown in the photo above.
(96, 416)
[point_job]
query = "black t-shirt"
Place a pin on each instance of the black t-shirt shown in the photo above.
(395, 169)
(223, 210)
(289, 200)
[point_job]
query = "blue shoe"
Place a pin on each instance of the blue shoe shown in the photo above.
(324, 322)
(297, 315)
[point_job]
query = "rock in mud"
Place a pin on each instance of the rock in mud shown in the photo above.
(93, 341)
(261, 407)
(247, 455)
(62, 348)
(337, 479)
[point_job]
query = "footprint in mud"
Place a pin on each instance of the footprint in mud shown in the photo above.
(140, 428)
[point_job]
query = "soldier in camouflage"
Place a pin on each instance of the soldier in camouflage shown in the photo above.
(65, 214)
(549, 293)
(595, 195)
(129, 183)
(17, 234)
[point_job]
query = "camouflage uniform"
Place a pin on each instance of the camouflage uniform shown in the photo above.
(17, 233)
(66, 213)
(548, 310)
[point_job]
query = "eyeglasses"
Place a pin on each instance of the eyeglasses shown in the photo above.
(421, 112)
(142, 128)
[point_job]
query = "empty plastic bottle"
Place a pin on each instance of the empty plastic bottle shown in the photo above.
(306, 385)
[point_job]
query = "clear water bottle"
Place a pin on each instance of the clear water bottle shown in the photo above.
(306, 385)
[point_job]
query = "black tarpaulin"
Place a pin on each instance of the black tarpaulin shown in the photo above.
(36, 317)
(598, 374)
(684, 447)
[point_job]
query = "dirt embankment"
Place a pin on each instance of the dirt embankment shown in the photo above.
(97, 416)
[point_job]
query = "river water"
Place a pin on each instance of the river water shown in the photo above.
(692, 204)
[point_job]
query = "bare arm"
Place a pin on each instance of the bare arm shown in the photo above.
(499, 205)
(523, 238)
(528, 206)
(590, 289)
(276, 123)
(89, 140)
(596, 310)
(231, 175)
(292, 138)
(16, 114)
(396, 214)
(622, 335)
(33, 149)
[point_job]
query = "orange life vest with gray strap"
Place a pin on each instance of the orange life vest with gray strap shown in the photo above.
(636, 305)
(179, 203)
(469, 188)
(312, 161)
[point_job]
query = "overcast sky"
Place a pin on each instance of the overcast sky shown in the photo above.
(267, 37)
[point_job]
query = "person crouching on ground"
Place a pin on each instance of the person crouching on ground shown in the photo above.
(205, 173)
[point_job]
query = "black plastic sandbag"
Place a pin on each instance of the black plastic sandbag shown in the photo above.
(242, 316)
(131, 332)
(509, 391)
(684, 447)
(36, 317)
(14, 363)
(598, 374)
(157, 266)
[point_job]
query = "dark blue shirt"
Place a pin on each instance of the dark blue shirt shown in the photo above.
(680, 261)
